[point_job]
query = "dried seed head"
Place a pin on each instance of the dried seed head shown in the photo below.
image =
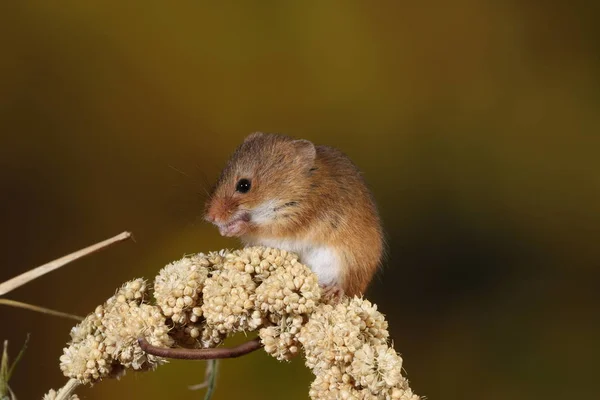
(178, 286)
(333, 384)
(281, 339)
(377, 368)
(202, 299)
(291, 289)
(333, 334)
(229, 302)
(105, 342)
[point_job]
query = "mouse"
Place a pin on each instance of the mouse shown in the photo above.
(286, 193)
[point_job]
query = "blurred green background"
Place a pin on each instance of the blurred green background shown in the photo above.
(476, 125)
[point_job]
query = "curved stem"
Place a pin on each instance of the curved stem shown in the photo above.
(201, 354)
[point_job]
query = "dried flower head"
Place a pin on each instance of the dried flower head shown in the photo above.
(178, 286)
(333, 334)
(377, 368)
(229, 302)
(336, 383)
(197, 335)
(281, 339)
(346, 346)
(86, 360)
(404, 394)
(254, 282)
(202, 299)
(291, 289)
(106, 341)
(259, 261)
(88, 326)
(333, 384)
(124, 323)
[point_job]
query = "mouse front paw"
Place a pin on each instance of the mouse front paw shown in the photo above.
(332, 294)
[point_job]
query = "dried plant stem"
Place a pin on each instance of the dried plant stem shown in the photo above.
(210, 380)
(211, 370)
(66, 391)
(201, 354)
(43, 310)
(30, 275)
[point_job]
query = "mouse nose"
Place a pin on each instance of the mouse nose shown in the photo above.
(213, 214)
(218, 211)
(210, 217)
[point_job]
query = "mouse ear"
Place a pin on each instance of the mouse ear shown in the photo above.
(305, 150)
(253, 135)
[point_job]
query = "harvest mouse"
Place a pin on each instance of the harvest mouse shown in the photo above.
(311, 200)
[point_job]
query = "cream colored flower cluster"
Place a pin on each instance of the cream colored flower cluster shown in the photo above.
(200, 299)
(203, 298)
(346, 347)
(178, 292)
(105, 342)
(266, 289)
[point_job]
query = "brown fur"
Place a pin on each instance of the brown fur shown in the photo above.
(320, 196)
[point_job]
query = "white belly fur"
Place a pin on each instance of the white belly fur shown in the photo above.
(322, 260)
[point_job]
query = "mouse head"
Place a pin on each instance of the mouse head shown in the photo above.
(263, 186)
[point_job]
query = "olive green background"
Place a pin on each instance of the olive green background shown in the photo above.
(476, 125)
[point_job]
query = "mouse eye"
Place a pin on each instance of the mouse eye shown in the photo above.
(243, 186)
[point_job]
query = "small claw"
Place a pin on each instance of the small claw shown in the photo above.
(332, 294)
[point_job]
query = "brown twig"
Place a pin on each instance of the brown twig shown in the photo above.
(30, 275)
(201, 354)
